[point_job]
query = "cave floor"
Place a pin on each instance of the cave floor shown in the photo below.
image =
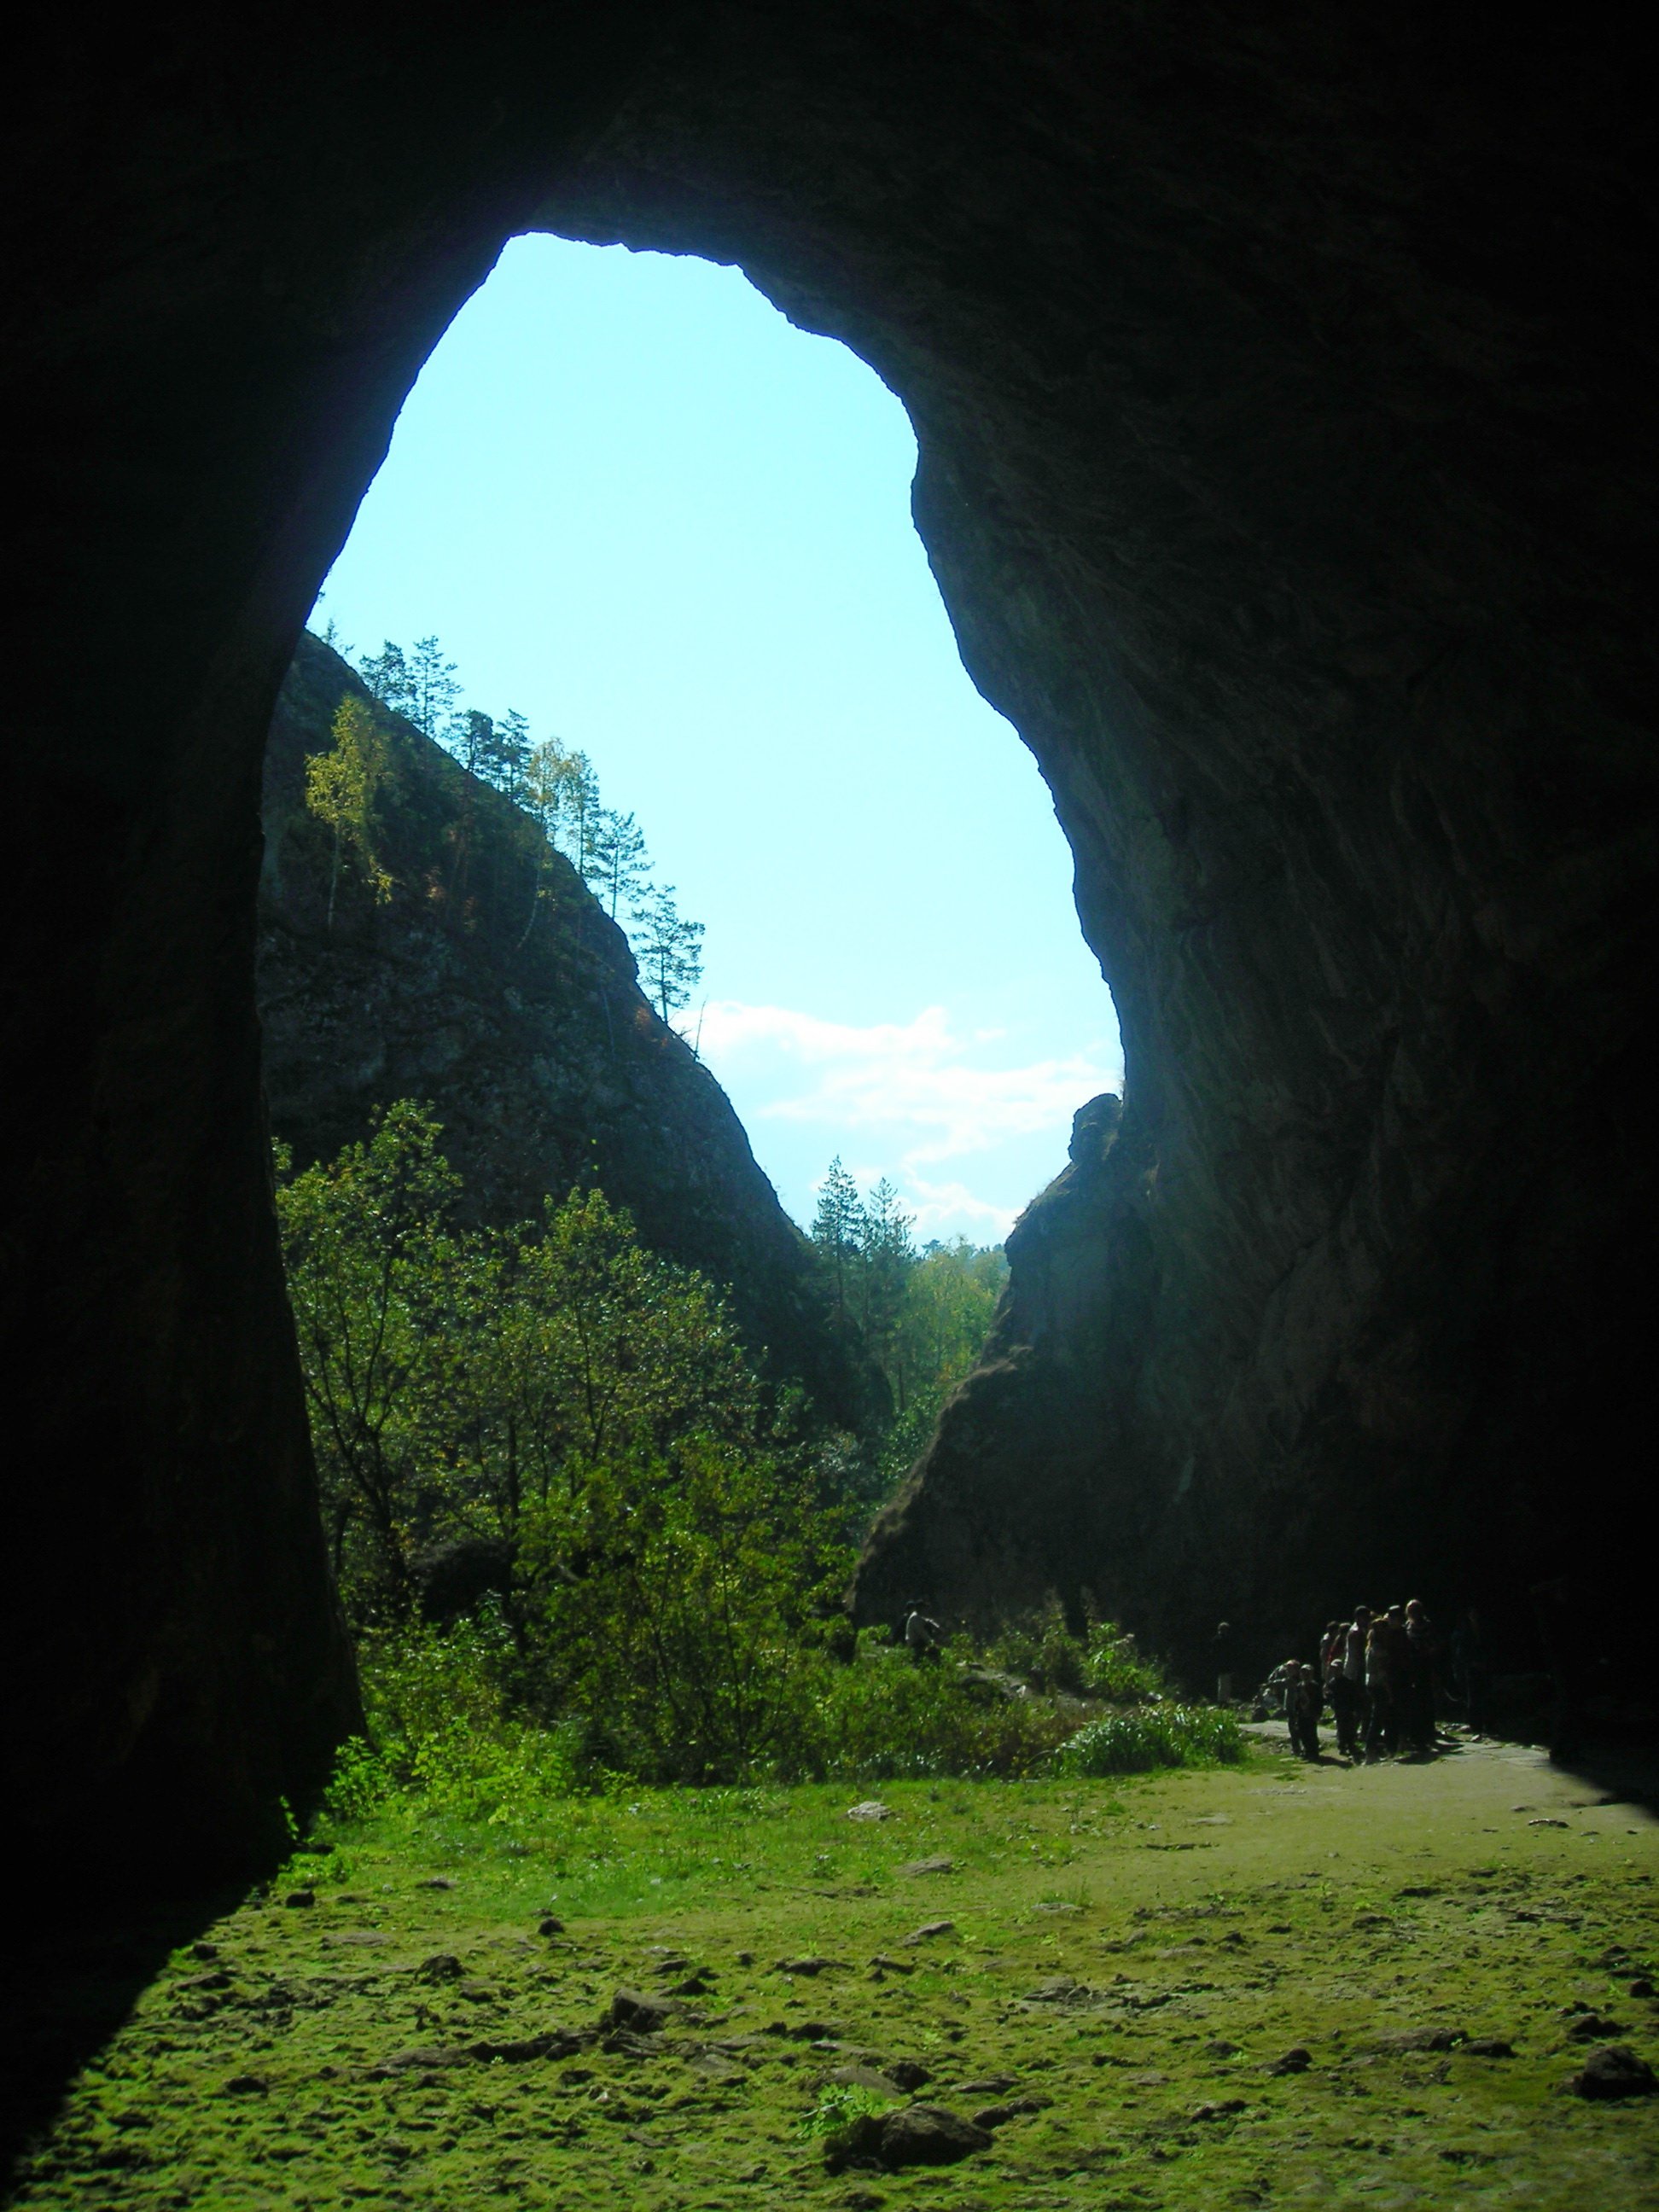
(1132, 1957)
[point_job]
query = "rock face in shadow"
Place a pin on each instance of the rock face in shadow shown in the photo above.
(1282, 379)
(1280, 441)
(492, 984)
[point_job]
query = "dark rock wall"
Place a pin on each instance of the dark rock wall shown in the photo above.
(1282, 377)
(1279, 385)
(498, 990)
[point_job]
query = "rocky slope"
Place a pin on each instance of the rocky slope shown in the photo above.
(493, 985)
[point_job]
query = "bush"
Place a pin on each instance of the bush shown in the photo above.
(886, 1718)
(839, 2107)
(1156, 1735)
(442, 1734)
(1041, 1648)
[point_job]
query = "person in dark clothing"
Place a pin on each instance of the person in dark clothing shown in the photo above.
(1345, 1681)
(1302, 1705)
(1470, 1672)
(1422, 1672)
(1568, 1631)
(1386, 1656)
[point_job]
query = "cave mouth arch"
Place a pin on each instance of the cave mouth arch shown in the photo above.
(640, 505)
(1287, 467)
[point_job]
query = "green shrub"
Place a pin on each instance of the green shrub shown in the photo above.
(1114, 1669)
(1041, 1648)
(886, 1718)
(443, 1736)
(1133, 1742)
(840, 2104)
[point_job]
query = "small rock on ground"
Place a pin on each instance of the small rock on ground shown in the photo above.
(929, 1929)
(1615, 2071)
(928, 2134)
(909, 2073)
(1297, 2060)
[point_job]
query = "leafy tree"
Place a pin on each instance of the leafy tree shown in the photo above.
(681, 1636)
(546, 776)
(562, 1387)
(560, 789)
(340, 790)
(950, 1299)
(388, 676)
(668, 949)
(433, 688)
(369, 1260)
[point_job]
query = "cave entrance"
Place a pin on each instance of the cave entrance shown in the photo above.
(637, 505)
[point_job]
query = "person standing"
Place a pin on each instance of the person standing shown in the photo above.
(1302, 1705)
(1422, 1669)
(1223, 1650)
(922, 1634)
(1386, 1652)
(1344, 1680)
(1469, 1669)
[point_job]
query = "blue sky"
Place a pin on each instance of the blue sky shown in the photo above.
(638, 506)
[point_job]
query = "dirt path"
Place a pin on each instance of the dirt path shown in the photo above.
(1132, 1964)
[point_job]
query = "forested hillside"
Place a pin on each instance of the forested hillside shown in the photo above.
(420, 936)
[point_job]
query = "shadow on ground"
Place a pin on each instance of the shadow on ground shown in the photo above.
(67, 1987)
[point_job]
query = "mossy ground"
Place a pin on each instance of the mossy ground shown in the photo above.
(1213, 1920)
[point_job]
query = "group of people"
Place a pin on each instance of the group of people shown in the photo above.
(1378, 1673)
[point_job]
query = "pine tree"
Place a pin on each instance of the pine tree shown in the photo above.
(886, 1257)
(387, 676)
(433, 688)
(512, 755)
(472, 737)
(581, 812)
(668, 952)
(620, 868)
(838, 1230)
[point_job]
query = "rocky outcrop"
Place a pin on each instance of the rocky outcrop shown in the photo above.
(491, 984)
(1282, 378)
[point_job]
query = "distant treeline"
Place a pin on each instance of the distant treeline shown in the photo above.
(921, 1314)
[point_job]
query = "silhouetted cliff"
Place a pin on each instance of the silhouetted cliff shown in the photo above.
(492, 983)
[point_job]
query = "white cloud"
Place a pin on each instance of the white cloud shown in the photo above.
(926, 1087)
(950, 1209)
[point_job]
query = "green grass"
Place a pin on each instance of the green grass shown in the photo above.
(1209, 1920)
